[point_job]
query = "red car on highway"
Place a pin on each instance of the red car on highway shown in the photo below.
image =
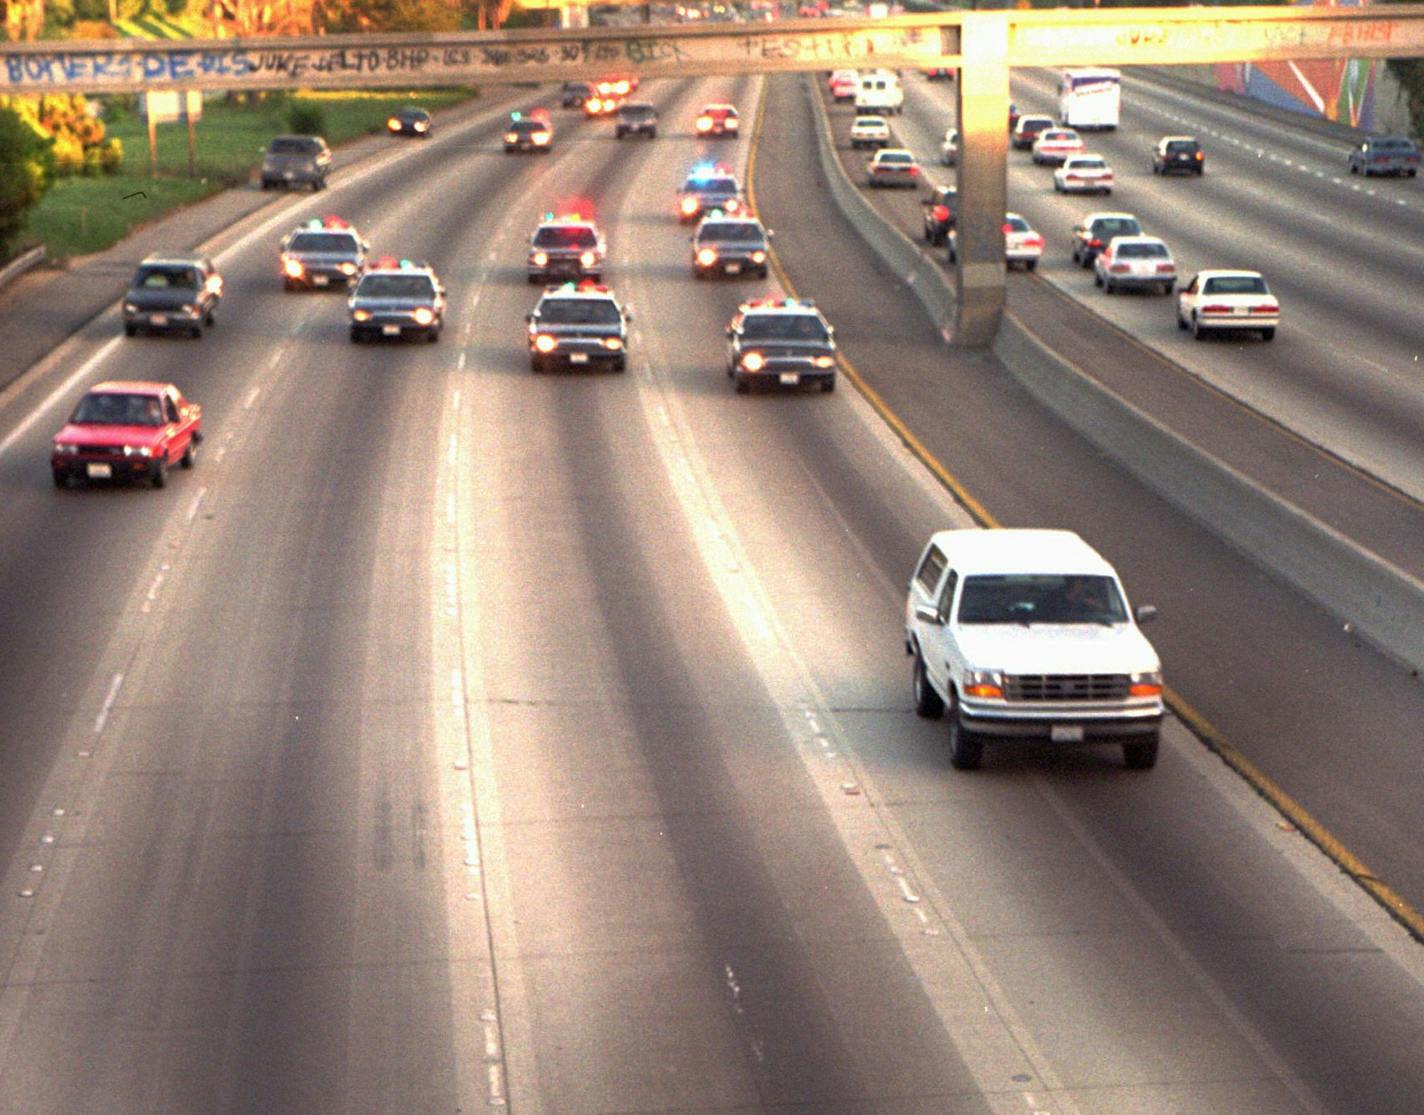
(127, 430)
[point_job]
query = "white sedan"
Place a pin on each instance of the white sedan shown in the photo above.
(949, 147)
(1053, 145)
(1228, 300)
(1021, 243)
(870, 131)
(1135, 262)
(1083, 174)
(893, 166)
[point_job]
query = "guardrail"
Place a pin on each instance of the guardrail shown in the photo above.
(1381, 603)
(25, 261)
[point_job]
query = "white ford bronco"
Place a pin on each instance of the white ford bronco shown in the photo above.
(1027, 634)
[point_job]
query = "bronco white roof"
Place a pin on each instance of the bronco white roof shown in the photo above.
(1019, 550)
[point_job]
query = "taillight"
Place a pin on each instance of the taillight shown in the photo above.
(1119, 268)
(1216, 309)
(1033, 241)
(1166, 268)
(940, 212)
(1095, 243)
(1266, 308)
(914, 170)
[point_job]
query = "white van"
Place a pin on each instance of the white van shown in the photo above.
(879, 92)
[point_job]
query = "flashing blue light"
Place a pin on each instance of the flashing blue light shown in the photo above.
(702, 171)
(516, 116)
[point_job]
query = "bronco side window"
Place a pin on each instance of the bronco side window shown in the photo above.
(927, 576)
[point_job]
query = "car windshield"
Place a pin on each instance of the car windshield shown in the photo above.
(1041, 598)
(1034, 123)
(292, 147)
(1142, 251)
(119, 410)
(636, 112)
(1394, 145)
(524, 126)
(1016, 224)
(723, 231)
(1116, 226)
(784, 327)
(1055, 137)
(899, 157)
(711, 185)
(323, 242)
(578, 311)
(1087, 164)
(167, 278)
(565, 237)
(396, 286)
(1235, 284)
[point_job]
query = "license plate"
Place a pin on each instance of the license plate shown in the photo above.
(320, 280)
(1066, 733)
(391, 330)
(96, 471)
(289, 174)
(790, 378)
(159, 319)
(734, 268)
(578, 358)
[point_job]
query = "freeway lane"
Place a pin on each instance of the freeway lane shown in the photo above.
(490, 736)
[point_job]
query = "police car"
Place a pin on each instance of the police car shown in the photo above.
(709, 186)
(322, 252)
(576, 325)
(532, 132)
(729, 245)
(397, 298)
(783, 341)
(568, 246)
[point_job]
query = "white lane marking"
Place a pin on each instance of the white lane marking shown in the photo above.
(152, 593)
(455, 397)
(251, 397)
(459, 366)
(496, 1086)
(197, 501)
(103, 717)
(101, 353)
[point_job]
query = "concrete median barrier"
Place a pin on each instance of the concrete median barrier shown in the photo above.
(1374, 600)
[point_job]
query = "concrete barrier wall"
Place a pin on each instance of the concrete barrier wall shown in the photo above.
(1376, 600)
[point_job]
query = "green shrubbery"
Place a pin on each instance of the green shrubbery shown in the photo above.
(26, 171)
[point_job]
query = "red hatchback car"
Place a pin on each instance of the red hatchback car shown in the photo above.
(127, 430)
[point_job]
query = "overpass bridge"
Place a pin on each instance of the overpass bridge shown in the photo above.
(982, 45)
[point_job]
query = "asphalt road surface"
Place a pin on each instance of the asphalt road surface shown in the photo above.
(455, 737)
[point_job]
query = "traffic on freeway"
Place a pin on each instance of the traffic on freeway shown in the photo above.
(472, 725)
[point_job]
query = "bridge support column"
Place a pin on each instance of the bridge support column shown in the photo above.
(983, 180)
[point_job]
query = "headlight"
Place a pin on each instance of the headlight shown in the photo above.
(130, 307)
(511, 137)
(824, 361)
(137, 451)
(293, 268)
(984, 683)
(188, 309)
(730, 124)
(393, 124)
(753, 361)
(545, 343)
(704, 123)
(539, 259)
(615, 343)
(758, 257)
(541, 139)
(424, 316)
(1145, 683)
(421, 125)
(61, 447)
(707, 256)
(588, 259)
(689, 205)
(732, 205)
(361, 315)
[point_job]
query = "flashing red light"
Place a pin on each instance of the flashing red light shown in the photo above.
(940, 212)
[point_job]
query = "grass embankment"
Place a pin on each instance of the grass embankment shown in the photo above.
(82, 215)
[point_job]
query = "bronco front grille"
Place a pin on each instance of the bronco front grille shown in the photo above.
(1066, 687)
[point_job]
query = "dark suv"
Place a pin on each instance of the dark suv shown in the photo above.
(172, 293)
(1092, 233)
(636, 118)
(1182, 153)
(296, 161)
(941, 211)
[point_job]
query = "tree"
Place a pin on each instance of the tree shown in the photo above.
(392, 15)
(26, 171)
